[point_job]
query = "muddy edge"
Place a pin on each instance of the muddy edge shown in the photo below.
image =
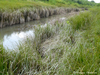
(25, 15)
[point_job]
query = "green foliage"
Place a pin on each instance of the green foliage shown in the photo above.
(3, 64)
(89, 21)
(82, 21)
(98, 4)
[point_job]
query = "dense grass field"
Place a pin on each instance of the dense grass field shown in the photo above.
(65, 48)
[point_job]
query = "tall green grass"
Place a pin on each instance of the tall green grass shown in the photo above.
(88, 23)
(71, 47)
(82, 21)
(3, 65)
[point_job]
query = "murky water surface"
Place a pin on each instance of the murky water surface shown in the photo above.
(11, 36)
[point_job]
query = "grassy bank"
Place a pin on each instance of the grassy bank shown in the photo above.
(65, 48)
(17, 4)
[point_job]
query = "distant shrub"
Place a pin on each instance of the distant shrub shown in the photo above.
(98, 4)
(76, 4)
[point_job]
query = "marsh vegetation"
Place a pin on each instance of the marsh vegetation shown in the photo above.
(63, 48)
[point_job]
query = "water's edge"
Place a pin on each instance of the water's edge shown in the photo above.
(12, 36)
(25, 15)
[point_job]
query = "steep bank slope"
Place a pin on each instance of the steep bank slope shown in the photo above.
(25, 15)
(16, 12)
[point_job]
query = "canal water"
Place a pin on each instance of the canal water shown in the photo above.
(12, 36)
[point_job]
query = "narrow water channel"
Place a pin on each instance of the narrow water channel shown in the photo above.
(11, 36)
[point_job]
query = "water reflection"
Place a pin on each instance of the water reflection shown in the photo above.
(11, 42)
